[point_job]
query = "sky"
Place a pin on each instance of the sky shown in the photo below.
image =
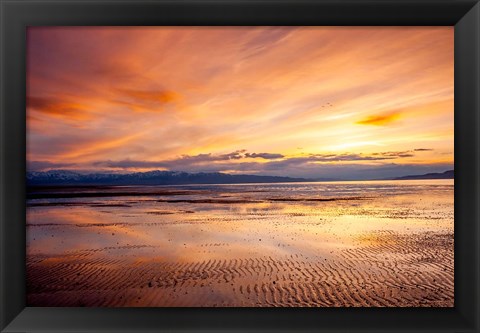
(314, 102)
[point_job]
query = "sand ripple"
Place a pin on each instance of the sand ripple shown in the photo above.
(384, 269)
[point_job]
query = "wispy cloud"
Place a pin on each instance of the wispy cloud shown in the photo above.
(146, 100)
(187, 161)
(423, 149)
(267, 156)
(239, 98)
(46, 165)
(59, 107)
(379, 120)
(244, 161)
(395, 154)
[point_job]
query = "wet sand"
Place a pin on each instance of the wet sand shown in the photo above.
(371, 244)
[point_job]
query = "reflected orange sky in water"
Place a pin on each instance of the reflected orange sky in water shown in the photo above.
(193, 231)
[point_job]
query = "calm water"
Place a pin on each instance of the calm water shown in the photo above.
(248, 219)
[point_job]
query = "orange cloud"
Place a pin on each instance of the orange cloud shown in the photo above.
(98, 146)
(58, 108)
(142, 100)
(379, 120)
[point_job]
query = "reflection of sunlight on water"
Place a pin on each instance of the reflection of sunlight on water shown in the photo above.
(195, 230)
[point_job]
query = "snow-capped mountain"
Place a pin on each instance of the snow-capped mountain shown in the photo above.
(65, 177)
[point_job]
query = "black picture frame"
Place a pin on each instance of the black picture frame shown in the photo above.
(17, 15)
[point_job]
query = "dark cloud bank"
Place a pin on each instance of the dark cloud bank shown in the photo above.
(347, 166)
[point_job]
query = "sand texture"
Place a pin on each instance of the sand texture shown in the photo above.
(371, 244)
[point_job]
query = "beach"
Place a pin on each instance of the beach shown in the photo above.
(325, 244)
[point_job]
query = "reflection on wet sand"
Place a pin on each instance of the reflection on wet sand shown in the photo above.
(385, 243)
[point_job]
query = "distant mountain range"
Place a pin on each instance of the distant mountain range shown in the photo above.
(64, 177)
(444, 175)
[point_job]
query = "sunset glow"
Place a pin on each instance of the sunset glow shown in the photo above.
(338, 102)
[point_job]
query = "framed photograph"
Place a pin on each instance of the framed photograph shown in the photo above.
(240, 166)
